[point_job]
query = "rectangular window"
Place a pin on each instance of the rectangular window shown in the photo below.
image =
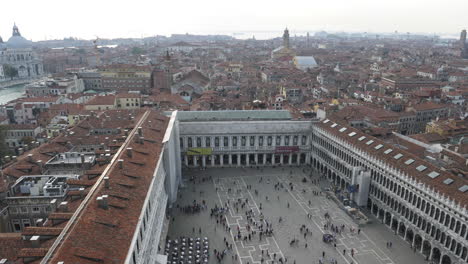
(295, 140)
(260, 141)
(208, 141)
(278, 140)
(181, 142)
(190, 144)
(252, 141)
(286, 140)
(304, 140)
(243, 141)
(16, 225)
(234, 141)
(36, 210)
(198, 142)
(24, 210)
(270, 140)
(226, 141)
(26, 222)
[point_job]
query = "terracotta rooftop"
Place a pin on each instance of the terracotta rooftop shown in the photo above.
(104, 235)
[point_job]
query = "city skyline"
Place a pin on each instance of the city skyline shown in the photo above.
(145, 19)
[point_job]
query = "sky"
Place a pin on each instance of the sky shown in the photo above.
(88, 19)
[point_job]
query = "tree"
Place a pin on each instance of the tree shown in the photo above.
(137, 51)
(10, 71)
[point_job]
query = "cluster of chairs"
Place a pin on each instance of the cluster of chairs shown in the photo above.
(187, 250)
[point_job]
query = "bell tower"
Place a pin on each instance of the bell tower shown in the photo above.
(286, 38)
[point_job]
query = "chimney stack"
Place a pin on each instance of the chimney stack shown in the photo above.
(30, 157)
(64, 206)
(39, 222)
(120, 161)
(81, 192)
(82, 156)
(103, 201)
(142, 140)
(34, 241)
(106, 182)
(129, 152)
(140, 131)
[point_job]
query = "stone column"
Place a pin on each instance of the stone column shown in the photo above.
(247, 159)
(290, 159)
(422, 246)
(264, 158)
(195, 161)
(256, 159)
(212, 160)
(186, 160)
(238, 160)
(298, 158)
(430, 253)
(230, 159)
(221, 159)
(203, 161)
(273, 156)
(281, 159)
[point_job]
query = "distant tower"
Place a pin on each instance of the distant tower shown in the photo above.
(308, 38)
(463, 47)
(463, 38)
(286, 38)
(16, 31)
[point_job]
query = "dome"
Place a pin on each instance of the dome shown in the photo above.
(18, 42)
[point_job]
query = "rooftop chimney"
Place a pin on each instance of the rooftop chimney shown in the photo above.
(53, 204)
(120, 161)
(34, 241)
(64, 206)
(140, 131)
(102, 202)
(39, 222)
(129, 152)
(81, 192)
(30, 157)
(82, 156)
(142, 140)
(106, 182)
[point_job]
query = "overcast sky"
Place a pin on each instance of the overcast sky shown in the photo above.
(48, 19)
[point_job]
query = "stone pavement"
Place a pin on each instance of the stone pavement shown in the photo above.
(369, 245)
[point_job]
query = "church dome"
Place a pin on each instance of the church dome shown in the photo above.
(16, 41)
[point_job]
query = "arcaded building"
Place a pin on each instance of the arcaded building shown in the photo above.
(119, 208)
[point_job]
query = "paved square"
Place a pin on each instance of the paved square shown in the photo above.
(293, 202)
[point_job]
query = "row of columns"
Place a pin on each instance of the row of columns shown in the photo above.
(300, 141)
(260, 159)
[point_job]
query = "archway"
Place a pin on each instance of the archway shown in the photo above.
(426, 251)
(394, 225)
(402, 230)
(409, 236)
(417, 242)
(436, 255)
(446, 260)
(234, 159)
(286, 159)
(388, 218)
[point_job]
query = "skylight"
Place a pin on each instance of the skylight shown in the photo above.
(388, 151)
(334, 125)
(352, 134)
(343, 129)
(433, 174)
(421, 168)
(361, 138)
(326, 121)
(408, 162)
(398, 156)
(379, 146)
(369, 142)
(448, 181)
(464, 188)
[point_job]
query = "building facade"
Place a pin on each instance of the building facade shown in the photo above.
(18, 53)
